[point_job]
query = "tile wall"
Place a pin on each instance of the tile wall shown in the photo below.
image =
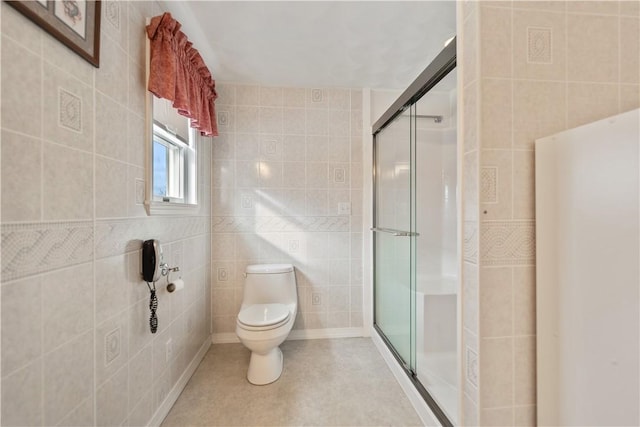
(76, 346)
(287, 187)
(531, 69)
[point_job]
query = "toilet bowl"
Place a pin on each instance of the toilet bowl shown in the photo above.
(266, 316)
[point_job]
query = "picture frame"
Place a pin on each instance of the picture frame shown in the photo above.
(74, 23)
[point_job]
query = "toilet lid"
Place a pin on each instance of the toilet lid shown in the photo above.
(263, 314)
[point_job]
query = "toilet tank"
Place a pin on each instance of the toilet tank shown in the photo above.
(270, 283)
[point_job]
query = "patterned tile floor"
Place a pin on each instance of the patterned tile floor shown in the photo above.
(335, 382)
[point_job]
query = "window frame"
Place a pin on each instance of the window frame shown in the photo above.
(188, 175)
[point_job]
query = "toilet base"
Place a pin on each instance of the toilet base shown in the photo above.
(265, 368)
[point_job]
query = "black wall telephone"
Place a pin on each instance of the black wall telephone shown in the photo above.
(151, 260)
(151, 273)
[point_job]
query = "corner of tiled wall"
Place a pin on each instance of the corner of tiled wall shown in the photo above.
(287, 187)
(76, 345)
(467, 50)
(542, 67)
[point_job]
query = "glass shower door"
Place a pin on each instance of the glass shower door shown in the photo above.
(392, 237)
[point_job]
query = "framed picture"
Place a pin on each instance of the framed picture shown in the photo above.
(76, 23)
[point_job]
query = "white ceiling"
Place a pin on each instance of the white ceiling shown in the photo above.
(376, 44)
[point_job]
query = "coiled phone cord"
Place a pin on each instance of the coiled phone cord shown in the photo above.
(153, 306)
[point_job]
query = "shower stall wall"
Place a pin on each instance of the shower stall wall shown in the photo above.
(415, 234)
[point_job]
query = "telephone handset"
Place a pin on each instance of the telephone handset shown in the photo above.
(152, 264)
(151, 260)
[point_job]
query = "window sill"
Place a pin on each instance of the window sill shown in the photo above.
(167, 208)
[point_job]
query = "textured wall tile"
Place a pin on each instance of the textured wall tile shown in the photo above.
(531, 122)
(470, 244)
(82, 415)
(587, 102)
(111, 347)
(489, 184)
(471, 298)
(21, 323)
(34, 248)
(495, 42)
(19, 28)
(525, 416)
(21, 177)
(525, 370)
(523, 185)
(111, 185)
(112, 286)
(496, 107)
(112, 400)
(629, 8)
(271, 96)
(496, 184)
(470, 195)
(247, 95)
(629, 97)
(470, 44)
(539, 45)
(470, 114)
(603, 7)
(21, 88)
(471, 365)
(111, 128)
(630, 50)
(21, 396)
(507, 243)
(496, 302)
(294, 97)
(111, 79)
(496, 372)
(68, 184)
(470, 412)
(136, 146)
(294, 121)
(68, 378)
(592, 48)
(498, 417)
(524, 289)
(317, 122)
(271, 120)
(115, 22)
(68, 110)
(66, 318)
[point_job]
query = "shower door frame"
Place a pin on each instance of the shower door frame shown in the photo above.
(442, 64)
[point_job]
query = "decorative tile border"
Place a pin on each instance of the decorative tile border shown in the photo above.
(229, 224)
(34, 248)
(507, 243)
(317, 95)
(69, 110)
(539, 45)
(116, 237)
(489, 184)
(470, 248)
(472, 367)
(112, 13)
(112, 346)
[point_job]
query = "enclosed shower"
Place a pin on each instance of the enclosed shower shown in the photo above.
(415, 234)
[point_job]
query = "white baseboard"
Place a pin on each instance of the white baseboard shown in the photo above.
(173, 395)
(298, 334)
(418, 403)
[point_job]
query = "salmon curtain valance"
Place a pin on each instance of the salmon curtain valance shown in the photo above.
(178, 73)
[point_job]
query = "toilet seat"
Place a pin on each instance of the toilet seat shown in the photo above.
(260, 317)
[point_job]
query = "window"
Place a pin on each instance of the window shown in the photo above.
(172, 175)
(169, 154)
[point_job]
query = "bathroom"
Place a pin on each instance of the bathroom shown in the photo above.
(76, 347)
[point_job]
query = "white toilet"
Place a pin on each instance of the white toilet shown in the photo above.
(266, 317)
